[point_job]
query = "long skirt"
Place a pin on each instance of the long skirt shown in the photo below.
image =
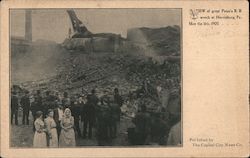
(40, 140)
(67, 138)
(53, 142)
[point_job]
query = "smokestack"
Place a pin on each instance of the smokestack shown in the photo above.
(28, 25)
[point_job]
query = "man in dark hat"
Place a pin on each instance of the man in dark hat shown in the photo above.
(115, 112)
(76, 112)
(58, 115)
(104, 122)
(142, 126)
(116, 108)
(14, 107)
(38, 101)
(117, 97)
(25, 103)
(89, 115)
(93, 98)
(159, 128)
(48, 103)
(65, 101)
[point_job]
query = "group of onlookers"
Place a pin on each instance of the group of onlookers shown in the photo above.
(57, 119)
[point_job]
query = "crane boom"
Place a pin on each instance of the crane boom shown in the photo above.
(79, 28)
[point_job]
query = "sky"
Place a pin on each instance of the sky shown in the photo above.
(53, 24)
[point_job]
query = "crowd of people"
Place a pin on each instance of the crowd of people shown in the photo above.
(56, 119)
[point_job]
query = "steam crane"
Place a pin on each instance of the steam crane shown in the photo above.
(80, 30)
(83, 39)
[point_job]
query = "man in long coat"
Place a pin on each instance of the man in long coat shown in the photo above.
(25, 103)
(14, 107)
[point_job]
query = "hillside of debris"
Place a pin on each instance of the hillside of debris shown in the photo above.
(162, 41)
(135, 71)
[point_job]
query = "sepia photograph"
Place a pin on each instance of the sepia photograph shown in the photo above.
(90, 77)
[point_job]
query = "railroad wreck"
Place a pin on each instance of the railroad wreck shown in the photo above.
(83, 39)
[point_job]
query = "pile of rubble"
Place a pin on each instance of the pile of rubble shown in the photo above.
(137, 78)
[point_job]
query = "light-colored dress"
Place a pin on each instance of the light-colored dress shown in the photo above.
(52, 132)
(174, 137)
(67, 137)
(39, 140)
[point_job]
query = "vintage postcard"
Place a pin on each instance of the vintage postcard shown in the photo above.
(124, 78)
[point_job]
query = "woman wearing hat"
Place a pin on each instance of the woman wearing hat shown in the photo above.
(39, 140)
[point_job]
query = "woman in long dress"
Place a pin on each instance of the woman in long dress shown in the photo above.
(67, 136)
(40, 140)
(174, 137)
(51, 129)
